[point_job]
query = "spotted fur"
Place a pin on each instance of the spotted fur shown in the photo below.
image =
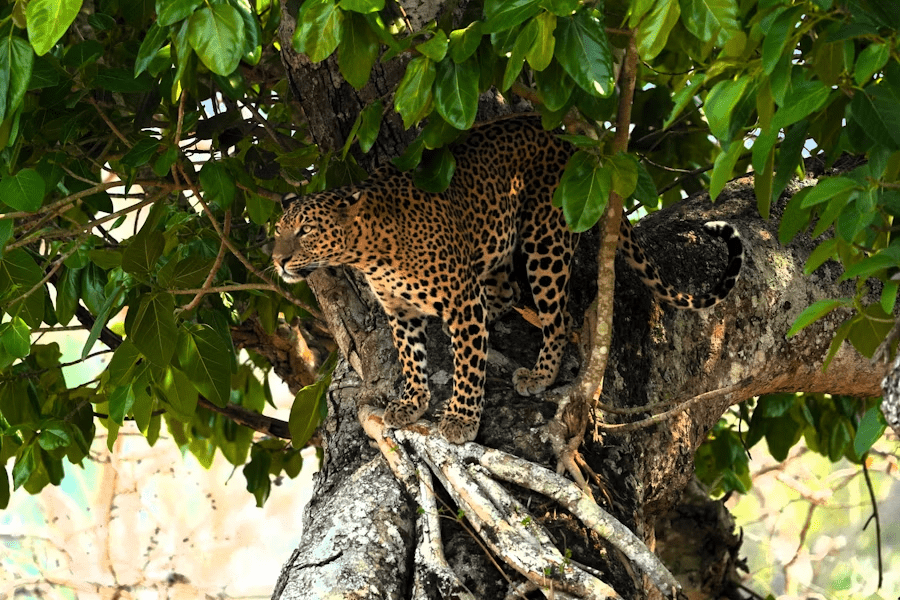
(450, 255)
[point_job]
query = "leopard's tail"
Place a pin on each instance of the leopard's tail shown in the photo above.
(667, 293)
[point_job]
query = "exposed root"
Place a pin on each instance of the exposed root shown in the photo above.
(472, 474)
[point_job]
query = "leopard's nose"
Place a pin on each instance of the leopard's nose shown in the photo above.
(280, 262)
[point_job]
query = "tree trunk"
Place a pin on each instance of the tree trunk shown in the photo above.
(363, 530)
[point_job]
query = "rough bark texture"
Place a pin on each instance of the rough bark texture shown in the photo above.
(359, 540)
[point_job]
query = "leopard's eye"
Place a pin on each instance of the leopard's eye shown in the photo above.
(306, 229)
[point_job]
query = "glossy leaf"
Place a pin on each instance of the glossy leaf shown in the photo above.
(583, 50)
(358, 50)
(19, 274)
(153, 331)
(142, 253)
(464, 42)
(319, 29)
(815, 312)
(206, 359)
(583, 191)
(456, 92)
(23, 191)
(870, 429)
(540, 53)
(216, 33)
(362, 6)
(152, 42)
(180, 394)
(436, 47)
(500, 16)
(414, 96)
(172, 11)
(48, 20)
(655, 27)
(16, 64)
(308, 411)
(218, 184)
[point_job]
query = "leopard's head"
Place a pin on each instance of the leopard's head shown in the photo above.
(312, 233)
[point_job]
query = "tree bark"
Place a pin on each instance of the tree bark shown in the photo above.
(362, 529)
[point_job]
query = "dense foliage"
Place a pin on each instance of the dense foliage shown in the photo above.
(115, 114)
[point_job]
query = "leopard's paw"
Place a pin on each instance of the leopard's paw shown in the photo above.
(529, 383)
(399, 414)
(458, 429)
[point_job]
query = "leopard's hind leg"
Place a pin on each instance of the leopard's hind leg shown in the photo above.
(548, 245)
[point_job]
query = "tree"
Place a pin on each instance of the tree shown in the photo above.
(203, 112)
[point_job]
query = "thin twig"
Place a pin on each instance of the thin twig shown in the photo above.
(215, 268)
(877, 520)
(109, 123)
(239, 255)
(663, 416)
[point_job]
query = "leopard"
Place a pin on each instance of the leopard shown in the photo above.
(450, 255)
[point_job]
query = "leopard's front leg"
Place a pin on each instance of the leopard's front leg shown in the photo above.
(408, 329)
(469, 338)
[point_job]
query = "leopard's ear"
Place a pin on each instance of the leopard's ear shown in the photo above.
(347, 214)
(288, 199)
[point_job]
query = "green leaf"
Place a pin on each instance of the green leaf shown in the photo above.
(824, 251)
(464, 42)
(16, 337)
(777, 34)
(180, 394)
(870, 327)
(654, 29)
(362, 6)
(815, 312)
(541, 52)
(259, 208)
(436, 47)
(870, 61)
(121, 399)
(153, 41)
(256, 472)
(369, 125)
(682, 98)
(723, 168)
(434, 172)
(122, 80)
(583, 191)
(103, 314)
(583, 51)
(720, 107)
(319, 29)
(4, 487)
(68, 287)
(218, 184)
(358, 50)
(216, 33)
(16, 62)
(555, 86)
(795, 218)
(802, 99)
(26, 463)
(206, 359)
(877, 111)
(781, 435)
(624, 170)
(24, 191)
(870, 429)
(500, 16)
(645, 192)
(710, 20)
(20, 274)
(172, 11)
(414, 96)
(308, 411)
(123, 365)
(48, 20)
(189, 272)
(524, 41)
(456, 92)
(142, 252)
(153, 330)
(141, 153)
(828, 189)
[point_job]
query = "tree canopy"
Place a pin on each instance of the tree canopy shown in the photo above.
(144, 146)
